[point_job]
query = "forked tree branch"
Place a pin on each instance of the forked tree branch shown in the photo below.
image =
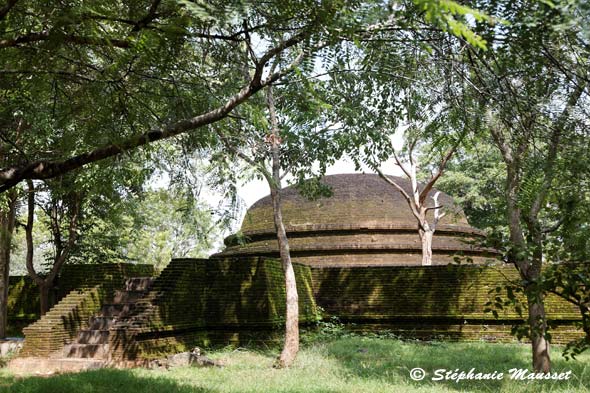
(404, 193)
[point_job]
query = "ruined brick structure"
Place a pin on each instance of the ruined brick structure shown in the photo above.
(357, 257)
(365, 222)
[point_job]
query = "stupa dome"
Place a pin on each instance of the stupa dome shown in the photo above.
(365, 222)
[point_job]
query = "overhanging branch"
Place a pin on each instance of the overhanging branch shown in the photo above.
(46, 169)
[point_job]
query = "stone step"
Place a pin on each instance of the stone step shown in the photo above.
(98, 322)
(86, 351)
(93, 337)
(48, 366)
(138, 283)
(117, 310)
(127, 296)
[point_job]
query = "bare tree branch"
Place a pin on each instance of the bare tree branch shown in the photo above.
(403, 192)
(441, 167)
(401, 165)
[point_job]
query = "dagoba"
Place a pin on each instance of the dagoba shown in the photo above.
(365, 222)
(357, 258)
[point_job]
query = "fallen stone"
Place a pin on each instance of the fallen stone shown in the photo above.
(185, 359)
(10, 347)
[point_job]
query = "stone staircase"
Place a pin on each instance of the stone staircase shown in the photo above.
(90, 349)
(93, 342)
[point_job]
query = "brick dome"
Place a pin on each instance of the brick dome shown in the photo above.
(365, 222)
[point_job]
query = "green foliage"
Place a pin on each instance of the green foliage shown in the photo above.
(571, 281)
(449, 15)
(475, 178)
(154, 228)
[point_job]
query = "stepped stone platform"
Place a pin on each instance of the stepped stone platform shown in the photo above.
(192, 302)
(356, 257)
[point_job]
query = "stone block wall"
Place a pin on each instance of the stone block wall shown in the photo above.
(205, 301)
(23, 300)
(437, 301)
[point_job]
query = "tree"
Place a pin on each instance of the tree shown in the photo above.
(541, 110)
(530, 91)
(268, 146)
(417, 198)
(59, 208)
(286, 134)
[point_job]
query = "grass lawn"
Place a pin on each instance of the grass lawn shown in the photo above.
(347, 364)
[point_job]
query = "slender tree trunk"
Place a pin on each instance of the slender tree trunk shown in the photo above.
(44, 291)
(530, 271)
(291, 346)
(426, 239)
(536, 302)
(538, 326)
(7, 221)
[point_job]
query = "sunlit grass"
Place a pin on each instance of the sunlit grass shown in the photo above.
(350, 364)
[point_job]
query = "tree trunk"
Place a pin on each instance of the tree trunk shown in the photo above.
(538, 326)
(44, 296)
(529, 269)
(7, 221)
(291, 346)
(536, 302)
(426, 239)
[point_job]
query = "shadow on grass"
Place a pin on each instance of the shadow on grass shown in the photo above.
(99, 381)
(392, 360)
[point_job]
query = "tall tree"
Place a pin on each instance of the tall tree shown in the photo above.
(532, 104)
(530, 90)
(61, 206)
(272, 148)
